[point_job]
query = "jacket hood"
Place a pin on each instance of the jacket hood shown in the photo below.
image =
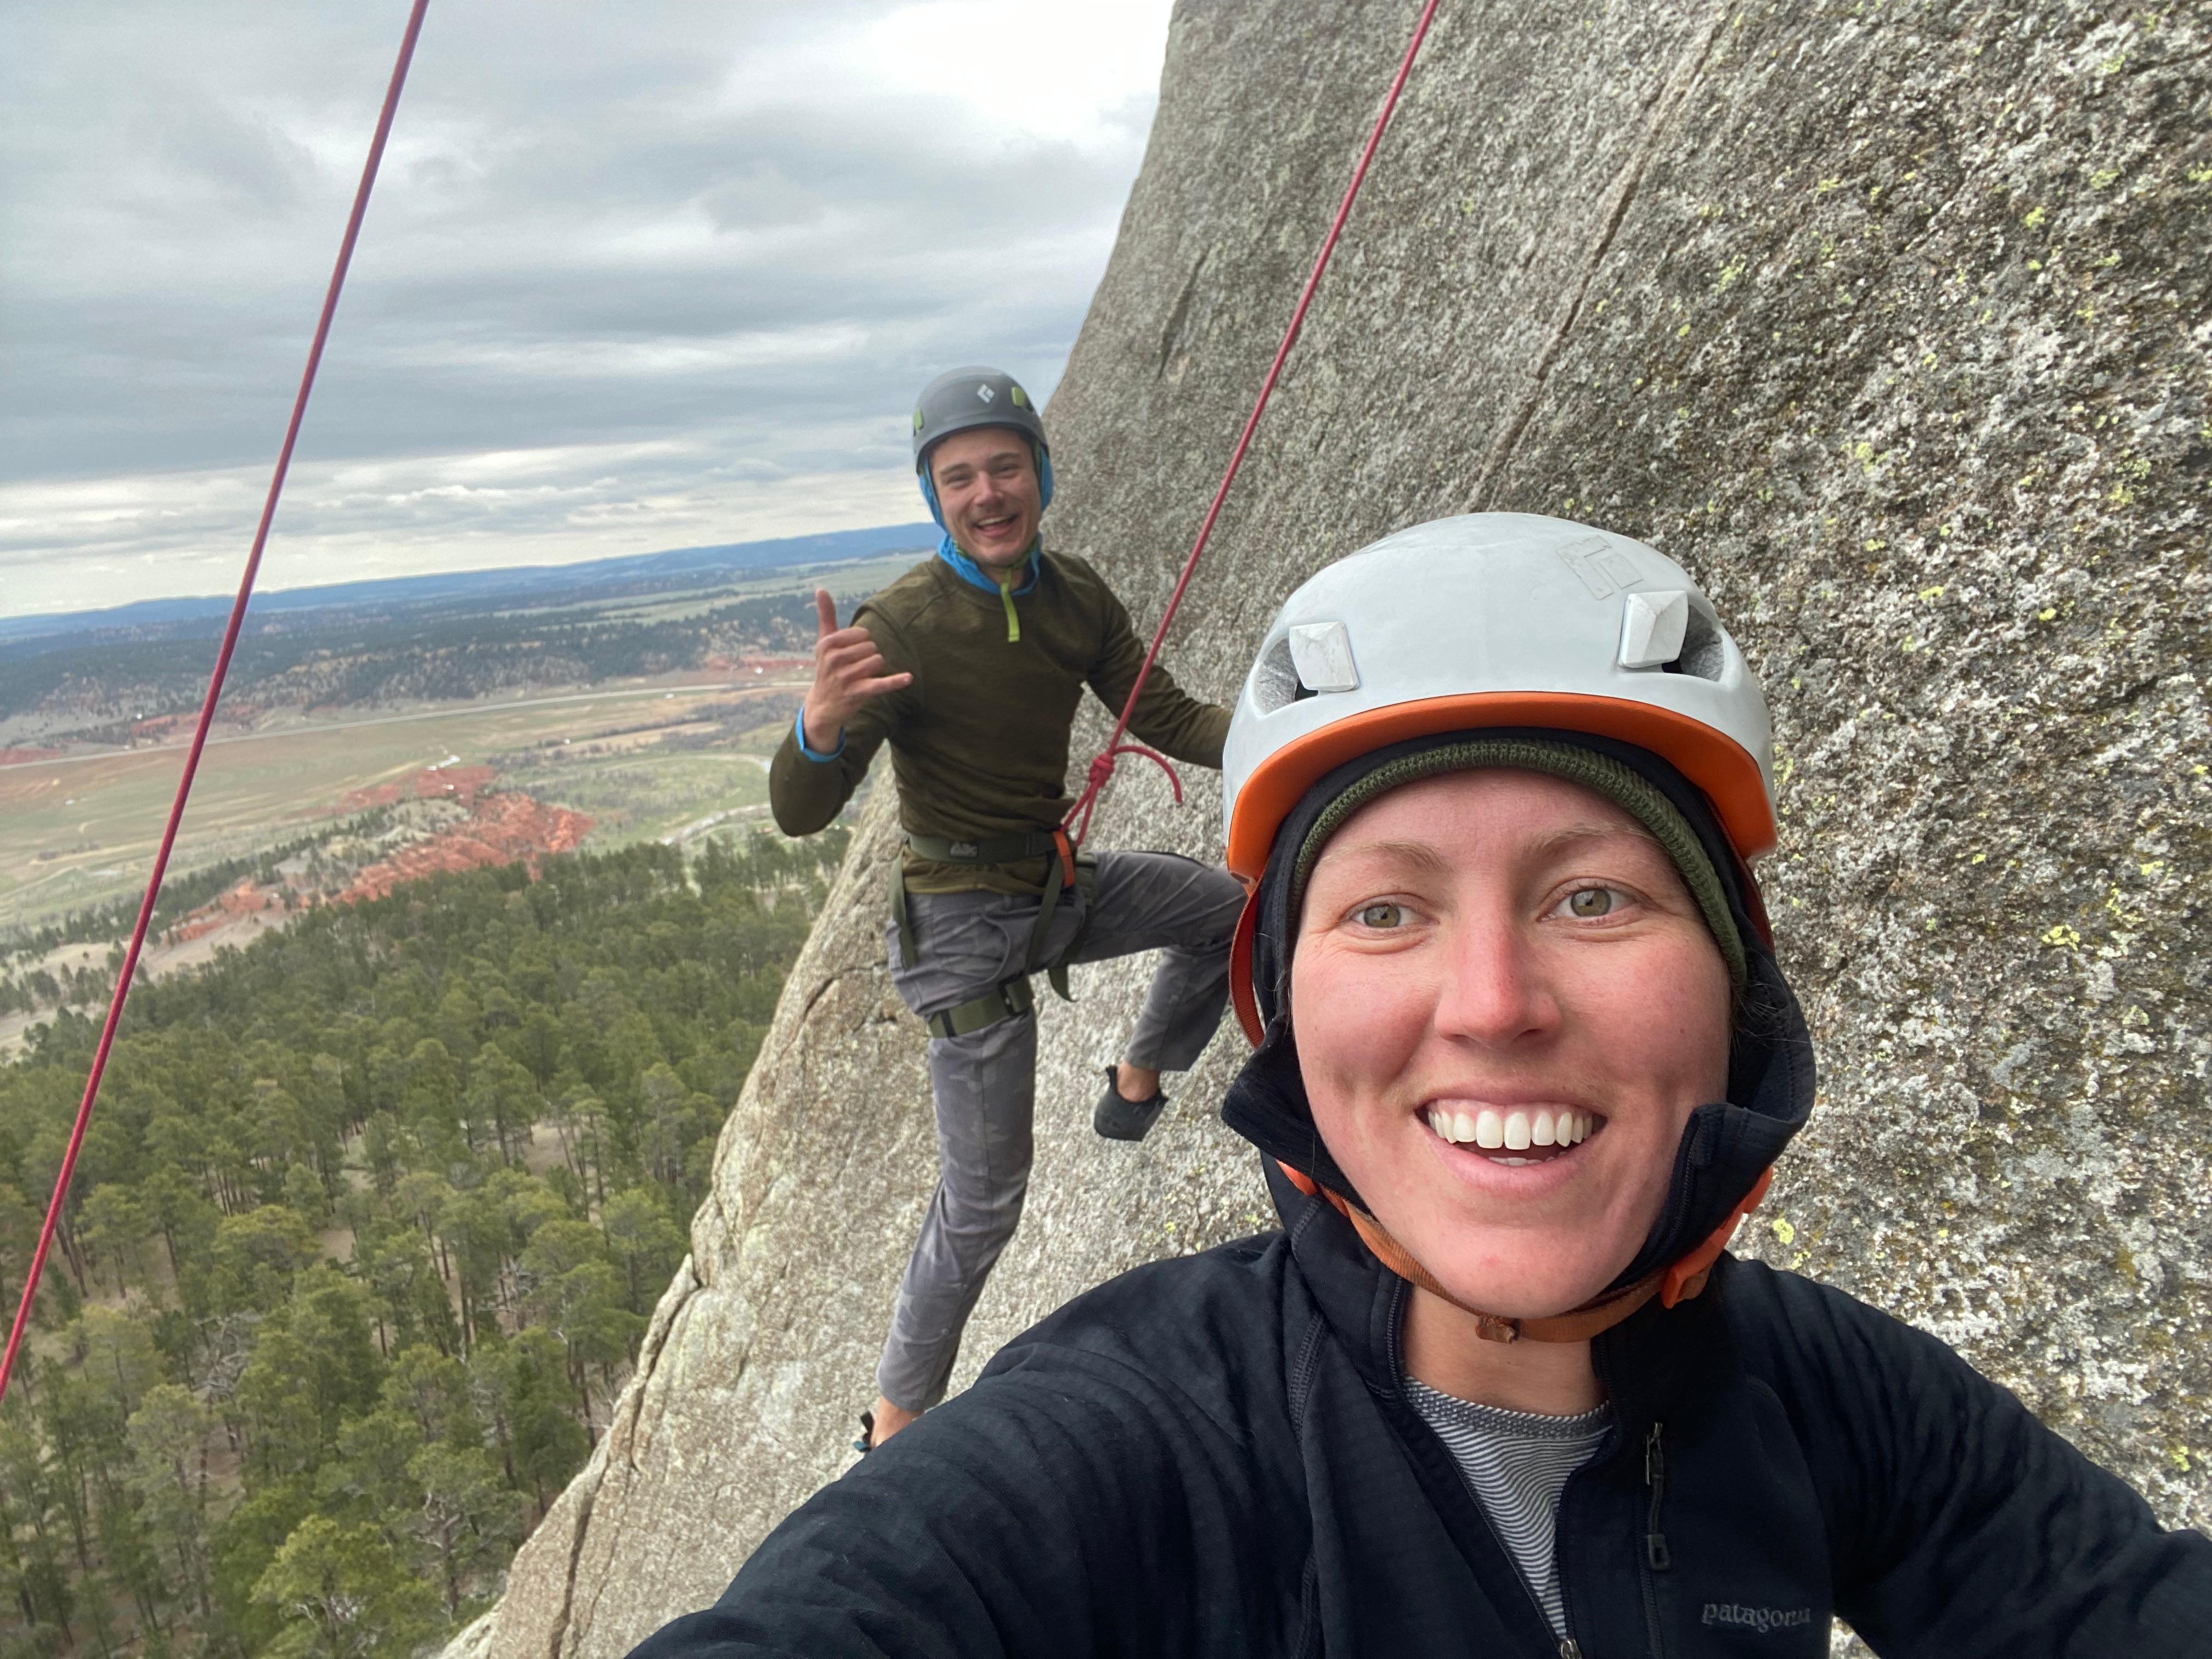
(1726, 1143)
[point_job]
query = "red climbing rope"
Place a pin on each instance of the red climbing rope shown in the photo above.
(214, 692)
(1077, 820)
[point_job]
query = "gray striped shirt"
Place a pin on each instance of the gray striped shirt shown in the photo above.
(1516, 1464)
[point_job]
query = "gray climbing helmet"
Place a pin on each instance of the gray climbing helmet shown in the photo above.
(965, 398)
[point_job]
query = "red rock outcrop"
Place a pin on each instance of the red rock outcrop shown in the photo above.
(504, 828)
(248, 898)
(431, 783)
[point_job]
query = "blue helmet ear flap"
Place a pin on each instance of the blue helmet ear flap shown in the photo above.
(929, 491)
(1044, 476)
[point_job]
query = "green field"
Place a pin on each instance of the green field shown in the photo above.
(664, 758)
(82, 830)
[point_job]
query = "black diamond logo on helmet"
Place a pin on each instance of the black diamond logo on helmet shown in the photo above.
(985, 393)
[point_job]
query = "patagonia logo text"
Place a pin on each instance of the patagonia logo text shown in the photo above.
(1761, 1619)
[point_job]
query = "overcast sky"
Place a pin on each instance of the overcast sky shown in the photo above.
(635, 275)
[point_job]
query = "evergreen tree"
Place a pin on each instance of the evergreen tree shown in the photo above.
(344, 1593)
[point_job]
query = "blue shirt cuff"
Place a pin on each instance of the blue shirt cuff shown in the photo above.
(798, 731)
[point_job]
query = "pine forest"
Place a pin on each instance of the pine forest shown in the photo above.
(363, 1243)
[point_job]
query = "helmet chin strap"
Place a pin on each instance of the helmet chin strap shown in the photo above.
(1677, 1283)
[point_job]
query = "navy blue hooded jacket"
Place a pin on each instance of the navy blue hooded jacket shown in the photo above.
(1214, 1456)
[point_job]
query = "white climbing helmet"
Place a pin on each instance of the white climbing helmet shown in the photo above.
(1487, 620)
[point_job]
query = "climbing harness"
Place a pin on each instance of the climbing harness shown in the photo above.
(1077, 872)
(1077, 820)
(214, 692)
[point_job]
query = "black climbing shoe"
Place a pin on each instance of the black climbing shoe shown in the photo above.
(866, 1443)
(1120, 1118)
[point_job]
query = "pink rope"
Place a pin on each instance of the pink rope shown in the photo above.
(1102, 768)
(213, 693)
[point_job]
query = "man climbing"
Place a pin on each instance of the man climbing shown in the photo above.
(972, 665)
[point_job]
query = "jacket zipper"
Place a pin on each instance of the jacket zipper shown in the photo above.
(1401, 1294)
(1656, 1556)
(1013, 621)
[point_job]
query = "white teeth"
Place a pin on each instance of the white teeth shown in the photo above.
(1517, 1130)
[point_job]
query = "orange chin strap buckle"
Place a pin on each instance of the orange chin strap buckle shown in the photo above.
(1680, 1283)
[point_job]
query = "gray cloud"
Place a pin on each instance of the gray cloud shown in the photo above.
(633, 276)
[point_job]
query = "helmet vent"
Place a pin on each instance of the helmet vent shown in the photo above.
(1704, 646)
(1275, 680)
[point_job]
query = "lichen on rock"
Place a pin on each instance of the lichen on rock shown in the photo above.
(1886, 320)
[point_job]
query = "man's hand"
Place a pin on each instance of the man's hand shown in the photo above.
(848, 670)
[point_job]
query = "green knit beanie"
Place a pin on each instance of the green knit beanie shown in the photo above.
(1600, 774)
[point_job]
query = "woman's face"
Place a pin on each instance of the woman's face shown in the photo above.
(1483, 958)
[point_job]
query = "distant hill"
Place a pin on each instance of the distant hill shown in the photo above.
(643, 572)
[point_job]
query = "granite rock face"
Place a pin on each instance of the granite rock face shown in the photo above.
(1889, 321)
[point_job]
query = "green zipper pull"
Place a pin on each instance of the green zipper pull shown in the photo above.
(1013, 621)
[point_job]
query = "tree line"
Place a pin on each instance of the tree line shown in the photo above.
(362, 1242)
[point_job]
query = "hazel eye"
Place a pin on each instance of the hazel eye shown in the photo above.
(1381, 914)
(1589, 903)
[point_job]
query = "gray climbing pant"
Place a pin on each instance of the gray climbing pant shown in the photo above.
(984, 1083)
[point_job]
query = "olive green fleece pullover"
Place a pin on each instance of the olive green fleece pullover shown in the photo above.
(979, 740)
